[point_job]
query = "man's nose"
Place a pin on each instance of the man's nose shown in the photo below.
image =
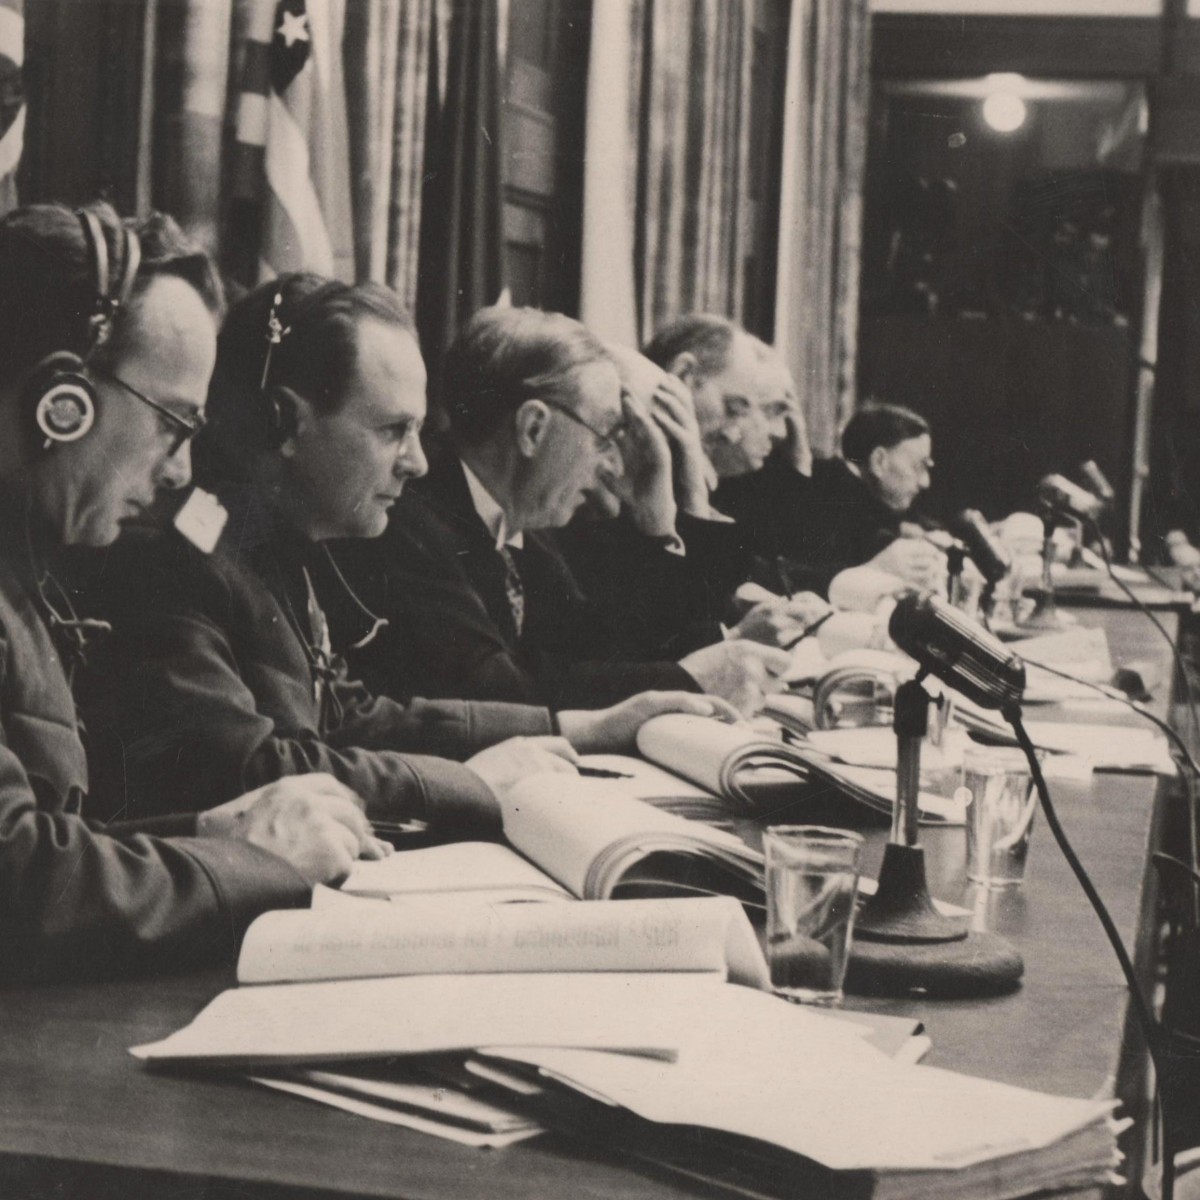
(411, 462)
(175, 471)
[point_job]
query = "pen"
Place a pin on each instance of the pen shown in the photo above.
(602, 773)
(808, 631)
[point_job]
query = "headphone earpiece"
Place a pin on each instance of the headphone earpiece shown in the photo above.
(58, 391)
(62, 398)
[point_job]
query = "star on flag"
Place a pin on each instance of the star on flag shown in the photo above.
(294, 28)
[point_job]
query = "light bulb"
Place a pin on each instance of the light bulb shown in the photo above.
(1004, 112)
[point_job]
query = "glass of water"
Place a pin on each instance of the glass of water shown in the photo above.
(812, 891)
(1001, 803)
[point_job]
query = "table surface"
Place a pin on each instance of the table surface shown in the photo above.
(78, 1112)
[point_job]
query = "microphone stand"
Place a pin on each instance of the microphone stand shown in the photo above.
(1045, 615)
(901, 909)
(956, 557)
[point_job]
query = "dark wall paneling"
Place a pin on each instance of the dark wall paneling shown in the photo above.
(1009, 401)
(907, 46)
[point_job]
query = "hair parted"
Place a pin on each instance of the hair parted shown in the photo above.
(316, 357)
(503, 357)
(48, 281)
(878, 424)
(706, 336)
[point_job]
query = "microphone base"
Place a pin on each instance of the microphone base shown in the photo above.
(1045, 617)
(981, 964)
(901, 909)
(902, 945)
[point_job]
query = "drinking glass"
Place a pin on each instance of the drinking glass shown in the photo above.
(1001, 803)
(812, 889)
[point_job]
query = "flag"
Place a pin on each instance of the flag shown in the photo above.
(292, 150)
(12, 98)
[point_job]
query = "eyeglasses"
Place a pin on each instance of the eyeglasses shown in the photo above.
(182, 428)
(608, 441)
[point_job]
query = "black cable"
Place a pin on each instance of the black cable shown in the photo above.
(1192, 770)
(1151, 1030)
(1180, 666)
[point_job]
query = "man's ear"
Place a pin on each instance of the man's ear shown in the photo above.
(686, 366)
(291, 415)
(877, 461)
(531, 423)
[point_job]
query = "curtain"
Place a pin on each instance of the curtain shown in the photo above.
(666, 211)
(824, 157)
(387, 83)
(12, 99)
(190, 81)
(694, 106)
(607, 289)
(280, 133)
(461, 233)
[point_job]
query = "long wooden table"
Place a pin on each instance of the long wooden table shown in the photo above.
(80, 1118)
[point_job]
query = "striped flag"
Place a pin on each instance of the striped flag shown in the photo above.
(292, 149)
(12, 98)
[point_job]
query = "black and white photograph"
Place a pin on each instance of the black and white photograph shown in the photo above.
(599, 599)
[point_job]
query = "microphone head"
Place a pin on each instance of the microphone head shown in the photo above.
(1068, 499)
(1096, 482)
(988, 553)
(957, 650)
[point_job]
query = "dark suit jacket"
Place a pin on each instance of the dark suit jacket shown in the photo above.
(77, 900)
(208, 687)
(813, 528)
(438, 579)
(667, 604)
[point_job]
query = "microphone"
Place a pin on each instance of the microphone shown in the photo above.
(1068, 499)
(988, 553)
(902, 942)
(1097, 482)
(957, 650)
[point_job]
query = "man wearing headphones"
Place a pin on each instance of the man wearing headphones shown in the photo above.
(222, 669)
(108, 340)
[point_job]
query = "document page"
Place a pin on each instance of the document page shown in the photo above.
(484, 867)
(369, 939)
(423, 1014)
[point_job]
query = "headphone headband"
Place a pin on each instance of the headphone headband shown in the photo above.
(110, 297)
(277, 330)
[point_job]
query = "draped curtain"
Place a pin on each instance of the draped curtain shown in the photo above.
(388, 49)
(824, 159)
(461, 236)
(692, 101)
(187, 129)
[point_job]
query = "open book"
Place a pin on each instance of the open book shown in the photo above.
(739, 763)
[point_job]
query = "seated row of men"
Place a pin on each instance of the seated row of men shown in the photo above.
(231, 762)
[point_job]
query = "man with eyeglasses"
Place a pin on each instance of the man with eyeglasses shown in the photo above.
(180, 424)
(722, 403)
(480, 601)
(225, 668)
(109, 339)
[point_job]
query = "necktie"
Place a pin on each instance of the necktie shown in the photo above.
(513, 588)
(320, 646)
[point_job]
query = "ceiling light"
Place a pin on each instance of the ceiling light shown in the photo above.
(1004, 111)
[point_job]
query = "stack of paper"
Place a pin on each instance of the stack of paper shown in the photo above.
(643, 1061)
(902, 1131)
